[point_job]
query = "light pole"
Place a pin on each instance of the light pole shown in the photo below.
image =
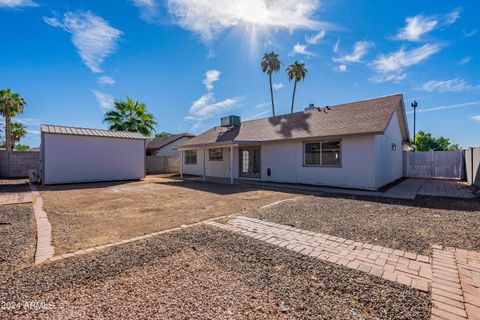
(414, 106)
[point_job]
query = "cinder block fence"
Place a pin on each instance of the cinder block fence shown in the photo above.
(15, 164)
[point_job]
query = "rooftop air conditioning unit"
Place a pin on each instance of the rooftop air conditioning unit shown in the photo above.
(230, 121)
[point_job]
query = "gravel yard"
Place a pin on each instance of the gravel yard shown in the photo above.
(86, 215)
(17, 237)
(206, 273)
(17, 230)
(412, 225)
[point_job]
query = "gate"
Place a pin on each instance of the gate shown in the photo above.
(434, 164)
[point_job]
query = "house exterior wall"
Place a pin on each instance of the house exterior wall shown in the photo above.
(285, 159)
(170, 150)
(388, 162)
(213, 168)
(69, 158)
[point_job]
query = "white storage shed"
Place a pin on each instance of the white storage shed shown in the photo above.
(73, 155)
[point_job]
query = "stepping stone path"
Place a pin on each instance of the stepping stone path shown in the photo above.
(453, 275)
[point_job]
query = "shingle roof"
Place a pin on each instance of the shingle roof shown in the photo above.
(362, 117)
(90, 132)
(161, 142)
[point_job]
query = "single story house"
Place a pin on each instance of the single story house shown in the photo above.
(352, 145)
(167, 146)
(71, 155)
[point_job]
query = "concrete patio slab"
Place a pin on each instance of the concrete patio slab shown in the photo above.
(446, 188)
(405, 190)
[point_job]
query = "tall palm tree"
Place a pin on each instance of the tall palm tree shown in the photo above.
(131, 116)
(270, 64)
(296, 71)
(10, 105)
(19, 131)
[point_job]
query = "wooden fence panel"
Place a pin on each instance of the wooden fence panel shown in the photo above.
(434, 164)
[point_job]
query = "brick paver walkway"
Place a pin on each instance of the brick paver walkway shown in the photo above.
(446, 188)
(44, 249)
(15, 198)
(452, 274)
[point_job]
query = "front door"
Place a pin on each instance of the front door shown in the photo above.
(250, 162)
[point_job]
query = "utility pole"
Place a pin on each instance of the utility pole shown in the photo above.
(414, 106)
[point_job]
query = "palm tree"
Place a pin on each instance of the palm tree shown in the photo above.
(19, 131)
(296, 71)
(131, 116)
(10, 105)
(270, 64)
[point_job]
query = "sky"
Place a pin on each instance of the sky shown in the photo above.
(194, 61)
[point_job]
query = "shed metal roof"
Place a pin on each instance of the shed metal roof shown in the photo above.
(53, 129)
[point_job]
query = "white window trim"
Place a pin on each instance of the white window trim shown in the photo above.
(321, 148)
(215, 160)
(185, 158)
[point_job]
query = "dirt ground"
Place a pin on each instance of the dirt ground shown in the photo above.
(204, 273)
(86, 215)
(411, 225)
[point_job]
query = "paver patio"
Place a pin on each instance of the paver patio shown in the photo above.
(452, 274)
(412, 187)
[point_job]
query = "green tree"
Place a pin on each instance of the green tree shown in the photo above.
(22, 147)
(11, 104)
(426, 142)
(296, 72)
(19, 131)
(131, 116)
(162, 134)
(270, 64)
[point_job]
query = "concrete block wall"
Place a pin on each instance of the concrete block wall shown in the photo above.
(16, 164)
(162, 164)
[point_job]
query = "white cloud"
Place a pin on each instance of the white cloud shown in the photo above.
(466, 60)
(105, 100)
(206, 107)
(391, 67)
(341, 68)
(300, 49)
(17, 3)
(476, 118)
(149, 9)
(336, 46)
(258, 115)
(315, 38)
(208, 18)
(210, 77)
(360, 49)
(278, 86)
(93, 37)
(454, 85)
(416, 27)
(453, 16)
(105, 80)
(468, 34)
(263, 104)
(447, 107)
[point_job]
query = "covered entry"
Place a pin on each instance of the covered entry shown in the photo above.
(250, 164)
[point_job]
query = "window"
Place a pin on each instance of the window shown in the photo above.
(190, 156)
(215, 154)
(325, 153)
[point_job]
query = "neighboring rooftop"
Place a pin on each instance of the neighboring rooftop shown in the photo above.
(45, 128)
(161, 142)
(363, 117)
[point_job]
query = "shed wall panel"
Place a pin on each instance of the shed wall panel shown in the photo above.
(69, 158)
